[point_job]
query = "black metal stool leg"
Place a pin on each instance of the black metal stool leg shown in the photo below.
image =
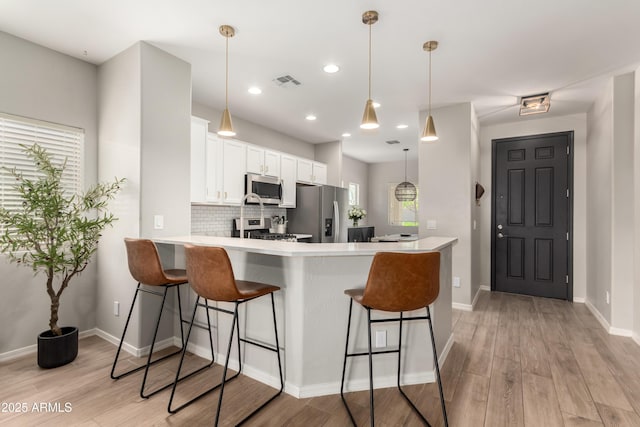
(153, 343)
(435, 359)
(126, 325)
(371, 409)
(344, 365)
(180, 314)
(226, 363)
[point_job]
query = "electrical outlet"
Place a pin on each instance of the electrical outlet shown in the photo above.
(608, 298)
(381, 338)
(116, 308)
(456, 282)
(431, 224)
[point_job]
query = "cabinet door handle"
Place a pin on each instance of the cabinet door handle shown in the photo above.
(261, 168)
(266, 169)
(218, 196)
(225, 195)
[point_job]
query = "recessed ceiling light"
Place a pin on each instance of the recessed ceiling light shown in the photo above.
(331, 68)
(346, 134)
(310, 117)
(376, 104)
(254, 90)
(402, 126)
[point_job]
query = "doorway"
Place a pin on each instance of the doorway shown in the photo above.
(531, 227)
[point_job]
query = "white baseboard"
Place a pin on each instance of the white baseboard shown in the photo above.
(580, 300)
(31, 349)
(485, 288)
(135, 351)
(636, 338)
(610, 329)
(460, 306)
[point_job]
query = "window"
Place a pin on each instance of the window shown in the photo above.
(60, 142)
(402, 213)
(354, 194)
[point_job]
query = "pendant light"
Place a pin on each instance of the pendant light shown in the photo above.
(369, 119)
(405, 191)
(226, 127)
(429, 132)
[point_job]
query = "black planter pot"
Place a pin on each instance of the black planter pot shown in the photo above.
(54, 351)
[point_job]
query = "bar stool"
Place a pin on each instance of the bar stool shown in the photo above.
(397, 282)
(146, 269)
(211, 276)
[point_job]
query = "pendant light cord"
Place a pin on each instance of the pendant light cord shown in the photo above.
(430, 81)
(226, 77)
(369, 59)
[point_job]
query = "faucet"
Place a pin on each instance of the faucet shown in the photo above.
(246, 196)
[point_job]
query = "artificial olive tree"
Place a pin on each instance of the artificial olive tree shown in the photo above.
(54, 232)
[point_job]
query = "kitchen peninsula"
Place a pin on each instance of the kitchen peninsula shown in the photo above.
(312, 311)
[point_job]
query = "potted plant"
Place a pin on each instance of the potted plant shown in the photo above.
(54, 233)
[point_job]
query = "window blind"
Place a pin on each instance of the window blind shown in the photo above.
(61, 142)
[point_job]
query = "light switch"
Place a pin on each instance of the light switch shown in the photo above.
(456, 282)
(431, 224)
(158, 222)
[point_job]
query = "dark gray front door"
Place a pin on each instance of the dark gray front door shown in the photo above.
(531, 226)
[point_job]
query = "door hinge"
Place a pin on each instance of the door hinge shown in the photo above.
(566, 279)
(567, 236)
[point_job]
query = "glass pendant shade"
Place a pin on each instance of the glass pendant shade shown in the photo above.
(226, 127)
(369, 118)
(429, 132)
(406, 192)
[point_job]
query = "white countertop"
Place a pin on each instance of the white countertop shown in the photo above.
(281, 248)
(395, 238)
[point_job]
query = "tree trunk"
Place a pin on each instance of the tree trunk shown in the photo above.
(53, 321)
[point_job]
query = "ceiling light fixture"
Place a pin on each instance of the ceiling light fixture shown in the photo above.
(402, 126)
(346, 135)
(255, 90)
(369, 119)
(534, 104)
(226, 127)
(429, 132)
(405, 191)
(310, 117)
(331, 68)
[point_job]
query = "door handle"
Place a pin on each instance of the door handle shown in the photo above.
(501, 236)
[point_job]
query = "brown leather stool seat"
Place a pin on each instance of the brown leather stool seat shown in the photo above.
(397, 282)
(211, 276)
(146, 269)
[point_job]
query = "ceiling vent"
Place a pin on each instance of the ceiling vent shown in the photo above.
(393, 141)
(286, 81)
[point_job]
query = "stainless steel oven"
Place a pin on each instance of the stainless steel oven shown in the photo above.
(268, 188)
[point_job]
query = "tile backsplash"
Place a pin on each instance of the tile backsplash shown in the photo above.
(216, 220)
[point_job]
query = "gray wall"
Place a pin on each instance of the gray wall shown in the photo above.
(357, 172)
(255, 134)
(145, 110)
(43, 84)
(636, 181)
(447, 189)
(331, 154)
(380, 176)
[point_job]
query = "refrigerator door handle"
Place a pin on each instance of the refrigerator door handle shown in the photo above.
(336, 221)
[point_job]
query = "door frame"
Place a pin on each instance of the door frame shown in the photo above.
(494, 147)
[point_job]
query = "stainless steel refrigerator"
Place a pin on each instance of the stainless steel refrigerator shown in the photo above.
(322, 212)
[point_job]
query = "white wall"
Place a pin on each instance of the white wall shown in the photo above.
(576, 123)
(447, 190)
(255, 134)
(380, 176)
(40, 83)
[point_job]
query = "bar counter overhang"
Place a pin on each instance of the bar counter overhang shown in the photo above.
(312, 312)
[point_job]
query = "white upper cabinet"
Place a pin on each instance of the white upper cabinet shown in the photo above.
(198, 158)
(311, 172)
(288, 181)
(214, 171)
(234, 156)
(263, 162)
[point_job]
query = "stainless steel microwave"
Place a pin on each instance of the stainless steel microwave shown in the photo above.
(268, 188)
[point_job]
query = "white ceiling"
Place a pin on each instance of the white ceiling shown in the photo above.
(491, 52)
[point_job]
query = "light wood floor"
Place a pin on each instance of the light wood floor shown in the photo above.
(516, 361)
